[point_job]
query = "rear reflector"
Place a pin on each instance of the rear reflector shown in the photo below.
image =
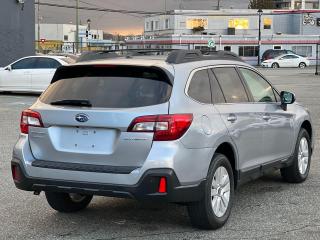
(164, 127)
(30, 118)
(162, 185)
(16, 174)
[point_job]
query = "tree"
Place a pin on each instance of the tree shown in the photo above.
(261, 4)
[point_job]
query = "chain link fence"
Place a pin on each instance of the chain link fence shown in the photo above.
(60, 47)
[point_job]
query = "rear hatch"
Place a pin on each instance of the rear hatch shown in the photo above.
(87, 110)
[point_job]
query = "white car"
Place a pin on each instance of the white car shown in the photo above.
(30, 74)
(286, 60)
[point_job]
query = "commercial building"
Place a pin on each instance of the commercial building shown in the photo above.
(233, 30)
(297, 4)
(62, 38)
(17, 30)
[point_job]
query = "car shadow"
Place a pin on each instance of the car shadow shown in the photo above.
(117, 215)
(122, 217)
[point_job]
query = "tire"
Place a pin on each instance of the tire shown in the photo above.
(67, 203)
(202, 214)
(302, 65)
(275, 65)
(299, 170)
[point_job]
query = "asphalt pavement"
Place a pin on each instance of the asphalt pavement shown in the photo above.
(264, 209)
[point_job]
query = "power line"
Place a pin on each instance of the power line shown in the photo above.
(217, 14)
(100, 9)
(95, 5)
(195, 14)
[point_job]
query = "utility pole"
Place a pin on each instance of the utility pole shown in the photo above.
(77, 26)
(39, 18)
(218, 7)
(260, 12)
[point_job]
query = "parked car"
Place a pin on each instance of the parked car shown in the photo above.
(30, 74)
(287, 60)
(185, 128)
(273, 53)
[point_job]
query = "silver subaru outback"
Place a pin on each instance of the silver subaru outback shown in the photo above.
(183, 128)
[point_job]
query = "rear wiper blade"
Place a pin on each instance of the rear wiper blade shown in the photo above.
(67, 102)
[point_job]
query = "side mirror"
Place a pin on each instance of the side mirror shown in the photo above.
(287, 98)
(8, 68)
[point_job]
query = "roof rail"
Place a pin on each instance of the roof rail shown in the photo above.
(175, 56)
(96, 55)
(184, 56)
(109, 54)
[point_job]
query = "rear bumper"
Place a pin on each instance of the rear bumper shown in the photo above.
(145, 189)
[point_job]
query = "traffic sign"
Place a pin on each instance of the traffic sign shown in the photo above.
(211, 43)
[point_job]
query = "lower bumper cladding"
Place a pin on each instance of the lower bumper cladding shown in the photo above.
(146, 189)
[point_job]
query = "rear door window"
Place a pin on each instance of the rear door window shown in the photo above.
(27, 63)
(231, 85)
(199, 88)
(110, 86)
(47, 63)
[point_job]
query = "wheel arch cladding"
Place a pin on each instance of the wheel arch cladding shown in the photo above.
(228, 150)
(307, 126)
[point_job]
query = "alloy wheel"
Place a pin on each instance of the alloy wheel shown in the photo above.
(77, 198)
(220, 191)
(303, 156)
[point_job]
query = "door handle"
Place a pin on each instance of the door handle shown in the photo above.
(266, 117)
(232, 118)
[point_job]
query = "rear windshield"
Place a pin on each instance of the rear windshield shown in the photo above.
(110, 86)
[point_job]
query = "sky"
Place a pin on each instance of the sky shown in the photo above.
(120, 23)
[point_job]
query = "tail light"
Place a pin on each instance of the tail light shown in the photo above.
(30, 118)
(162, 185)
(164, 127)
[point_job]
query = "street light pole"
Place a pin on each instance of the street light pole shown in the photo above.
(317, 57)
(77, 26)
(260, 12)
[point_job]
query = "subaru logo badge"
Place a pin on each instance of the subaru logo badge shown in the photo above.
(81, 117)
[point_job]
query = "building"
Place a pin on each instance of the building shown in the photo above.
(233, 30)
(17, 30)
(67, 32)
(212, 22)
(297, 4)
(62, 38)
